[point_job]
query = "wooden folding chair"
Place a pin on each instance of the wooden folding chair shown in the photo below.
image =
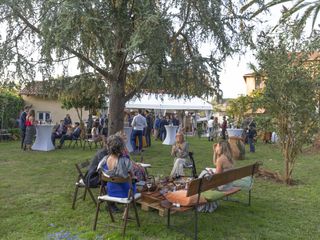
(90, 141)
(192, 165)
(80, 183)
(75, 142)
(127, 201)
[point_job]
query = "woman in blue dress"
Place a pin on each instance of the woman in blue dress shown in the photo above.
(116, 158)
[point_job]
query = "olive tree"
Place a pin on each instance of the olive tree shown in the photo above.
(289, 96)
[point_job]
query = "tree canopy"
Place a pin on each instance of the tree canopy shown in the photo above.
(131, 44)
(301, 11)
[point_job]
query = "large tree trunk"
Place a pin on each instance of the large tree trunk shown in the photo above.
(116, 106)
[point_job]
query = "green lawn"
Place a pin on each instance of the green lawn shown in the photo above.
(36, 191)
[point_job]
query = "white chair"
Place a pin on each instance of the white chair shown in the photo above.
(127, 201)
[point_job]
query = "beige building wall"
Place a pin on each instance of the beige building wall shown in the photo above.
(53, 107)
(251, 83)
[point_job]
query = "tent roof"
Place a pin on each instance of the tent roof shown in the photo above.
(165, 101)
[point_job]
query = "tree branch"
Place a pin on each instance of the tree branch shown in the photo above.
(138, 86)
(68, 49)
(174, 37)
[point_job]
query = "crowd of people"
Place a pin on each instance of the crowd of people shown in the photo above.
(114, 157)
(144, 125)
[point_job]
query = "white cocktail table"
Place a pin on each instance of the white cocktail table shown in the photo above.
(43, 138)
(171, 135)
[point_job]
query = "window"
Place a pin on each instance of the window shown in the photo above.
(44, 116)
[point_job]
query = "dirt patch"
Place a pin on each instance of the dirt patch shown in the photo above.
(274, 177)
(315, 149)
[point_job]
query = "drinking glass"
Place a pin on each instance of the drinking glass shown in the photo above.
(149, 184)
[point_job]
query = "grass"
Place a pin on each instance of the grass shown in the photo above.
(36, 191)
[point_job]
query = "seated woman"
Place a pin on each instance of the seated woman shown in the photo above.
(116, 158)
(95, 133)
(137, 170)
(180, 151)
(222, 159)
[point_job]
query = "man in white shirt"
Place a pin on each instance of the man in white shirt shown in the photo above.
(210, 129)
(138, 124)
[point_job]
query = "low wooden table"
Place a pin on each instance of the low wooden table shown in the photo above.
(152, 200)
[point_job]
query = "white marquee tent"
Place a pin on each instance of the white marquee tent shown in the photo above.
(166, 102)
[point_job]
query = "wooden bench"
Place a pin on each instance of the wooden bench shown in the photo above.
(206, 184)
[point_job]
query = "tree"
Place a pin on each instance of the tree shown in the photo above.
(290, 91)
(309, 9)
(157, 42)
(238, 109)
(10, 106)
(85, 91)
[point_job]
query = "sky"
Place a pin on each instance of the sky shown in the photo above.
(231, 76)
(232, 82)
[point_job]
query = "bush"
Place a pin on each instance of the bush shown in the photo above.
(10, 105)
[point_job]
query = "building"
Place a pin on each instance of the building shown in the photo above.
(46, 108)
(252, 83)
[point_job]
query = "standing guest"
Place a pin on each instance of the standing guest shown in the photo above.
(194, 124)
(22, 124)
(215, 128)
(175, 121)
(156, 132)
(224, 128)
(138, 124)
(163, 123)
(102, 120)
(90, 122)
(58, 131)
(251, 135)
(67, 121)
(148, 128)
(130, 118)
(30, 130)
(75, 134)
(210, 129)
(180, 152)
(95, 132)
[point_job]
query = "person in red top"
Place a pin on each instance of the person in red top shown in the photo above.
(30, 130)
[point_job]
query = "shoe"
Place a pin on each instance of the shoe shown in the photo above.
(114, 208)
(58, 147)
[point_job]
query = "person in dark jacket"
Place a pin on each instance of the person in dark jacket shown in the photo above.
(251, 134)
(22, 124)
(92, 175)
(149, 127)
(74, 135)
(164, 121)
